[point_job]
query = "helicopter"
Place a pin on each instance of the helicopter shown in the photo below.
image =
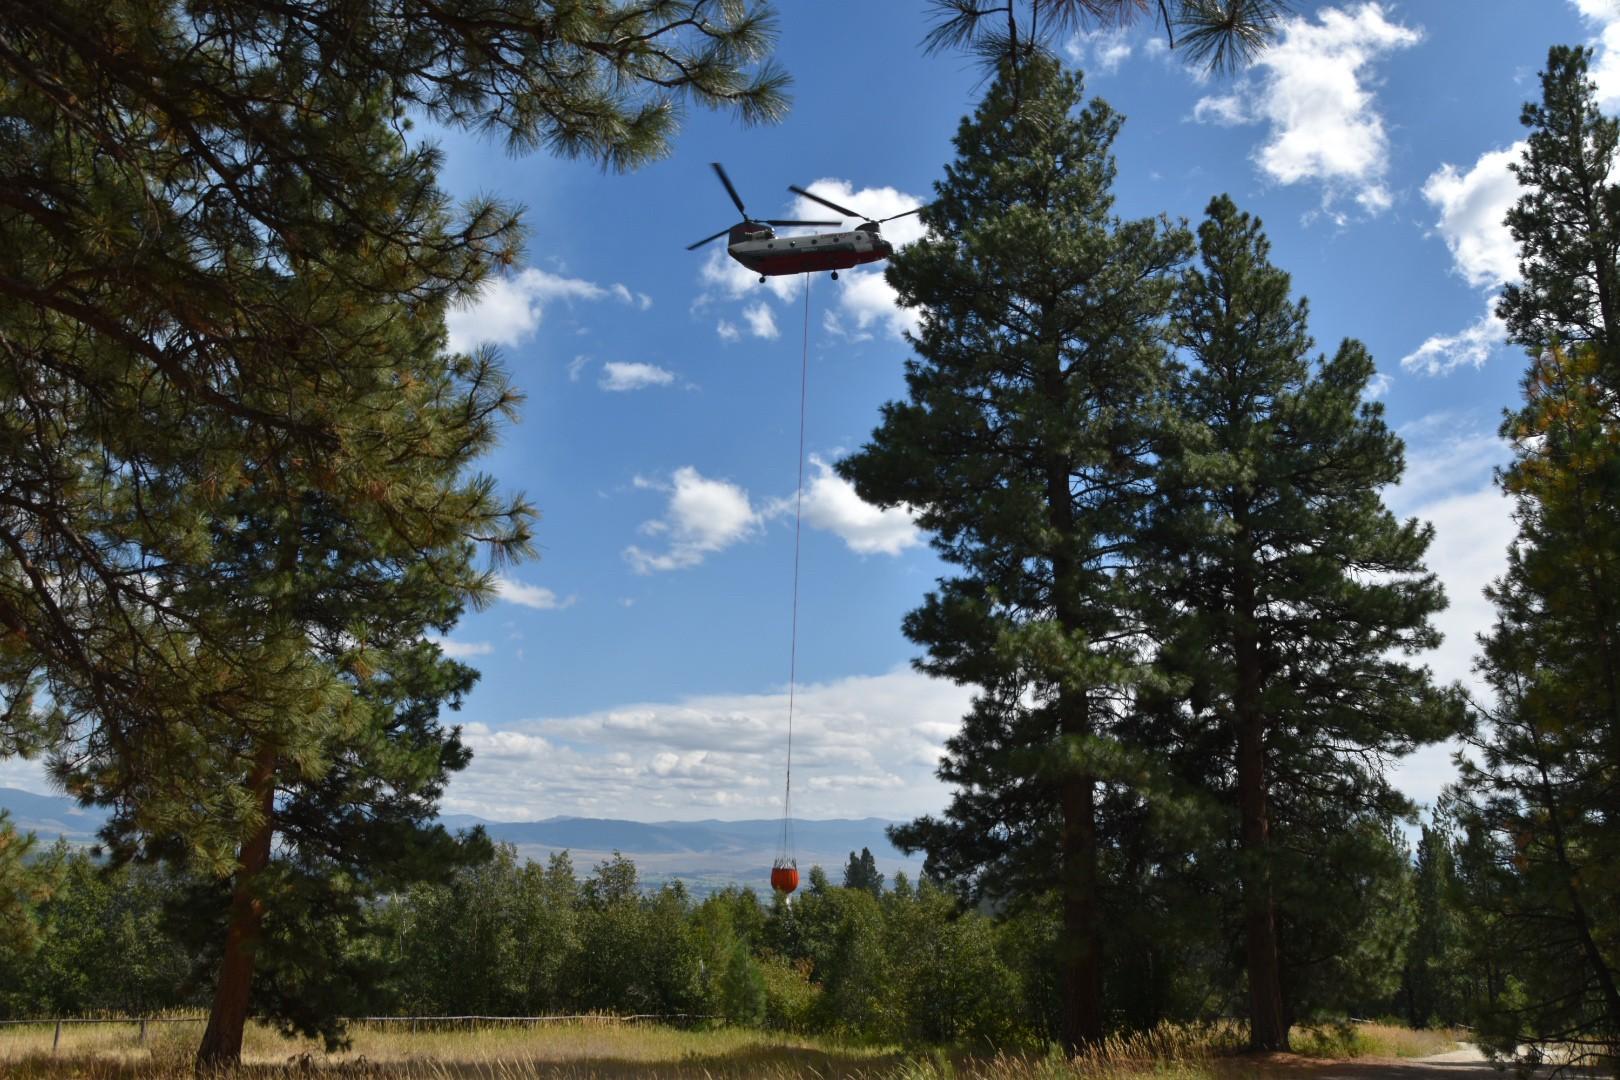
(755, 244)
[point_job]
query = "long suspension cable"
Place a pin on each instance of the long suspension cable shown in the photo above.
(793, 649)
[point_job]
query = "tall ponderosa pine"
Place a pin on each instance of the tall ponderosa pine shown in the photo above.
(1542, 796)
(1024, 448)
(235, 489)
(1567, 222)
(1291, 593)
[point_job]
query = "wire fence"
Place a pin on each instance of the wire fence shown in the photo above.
(417, 1023)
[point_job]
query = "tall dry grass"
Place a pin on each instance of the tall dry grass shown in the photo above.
(576, 1051)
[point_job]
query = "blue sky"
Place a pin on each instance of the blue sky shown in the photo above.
(638, 668)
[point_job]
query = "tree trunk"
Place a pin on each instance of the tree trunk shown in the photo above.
(1268, 1025)
(222, 1040)
(1082, 945)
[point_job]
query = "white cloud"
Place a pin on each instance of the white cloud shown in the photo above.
(862, 745)
(761, 322)
(1604, 15)
(869, 302)
(1312, 92)
(831, 504)
(620, 376)
(1102, 50)
(703, 517)
(1448, 482)
(1472, 206)
(1471, 346)
(508, 307)
(576, 367)
(728, 331)
(461, 650)
(530, 596)
(1451, 461)
(722, 274)
(1378, 386)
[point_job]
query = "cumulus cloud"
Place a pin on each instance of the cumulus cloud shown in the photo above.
(728, 331)
(1472, 207)
(1311, 89)
(1604, 18)
(831, 504)
(508, 307)
(620, 376)
(761, 322)
(1378, 386)
(862, 745)
(703, 516)
(530, 596)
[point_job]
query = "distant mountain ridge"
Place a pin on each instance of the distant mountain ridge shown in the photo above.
(702, 853)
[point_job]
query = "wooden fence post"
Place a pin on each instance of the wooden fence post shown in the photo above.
(143, 1029)
(56, 1040)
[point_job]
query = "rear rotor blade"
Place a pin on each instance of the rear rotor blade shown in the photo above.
(716, 236)
(726, 180)
(828, 203)
(779, 221)
(906, 213)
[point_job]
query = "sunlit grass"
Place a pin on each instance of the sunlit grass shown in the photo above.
(1354, 1040)
(579, 1050)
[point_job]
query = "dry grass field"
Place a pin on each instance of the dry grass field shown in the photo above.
(576, 1051)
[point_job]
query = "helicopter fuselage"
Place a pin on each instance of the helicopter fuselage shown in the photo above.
(763, 252)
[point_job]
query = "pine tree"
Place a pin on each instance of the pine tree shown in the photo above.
(1542, 798)
(1567, 222)
(1222, 35)
(238, 458)
(1024, 448)
(1289, 591)
(861, 872)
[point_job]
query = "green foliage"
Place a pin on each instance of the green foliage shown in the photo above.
(1567, 221)
(862, 873)
(1025, 446)
(225, 271)
(1221, 35)
(1539, 801)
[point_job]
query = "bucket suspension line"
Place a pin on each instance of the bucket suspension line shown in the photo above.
(785, 873)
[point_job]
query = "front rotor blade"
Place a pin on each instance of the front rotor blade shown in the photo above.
(828, 203)
(779, 221)
(716, 236)
(726, 180)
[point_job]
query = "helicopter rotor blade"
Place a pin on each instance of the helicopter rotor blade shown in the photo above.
(711, 239)
(779, 221)
(828, 203)
(726, 180)
(906, 213)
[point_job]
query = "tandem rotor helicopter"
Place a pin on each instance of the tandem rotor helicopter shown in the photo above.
(755, 244)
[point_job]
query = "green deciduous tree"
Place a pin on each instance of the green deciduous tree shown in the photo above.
(1024, 447)
(1291, 594)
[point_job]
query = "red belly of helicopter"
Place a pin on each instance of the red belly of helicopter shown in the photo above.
(800, 261)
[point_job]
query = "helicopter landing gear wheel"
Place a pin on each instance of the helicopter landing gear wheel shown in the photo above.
(835, 275)
(762, 279)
